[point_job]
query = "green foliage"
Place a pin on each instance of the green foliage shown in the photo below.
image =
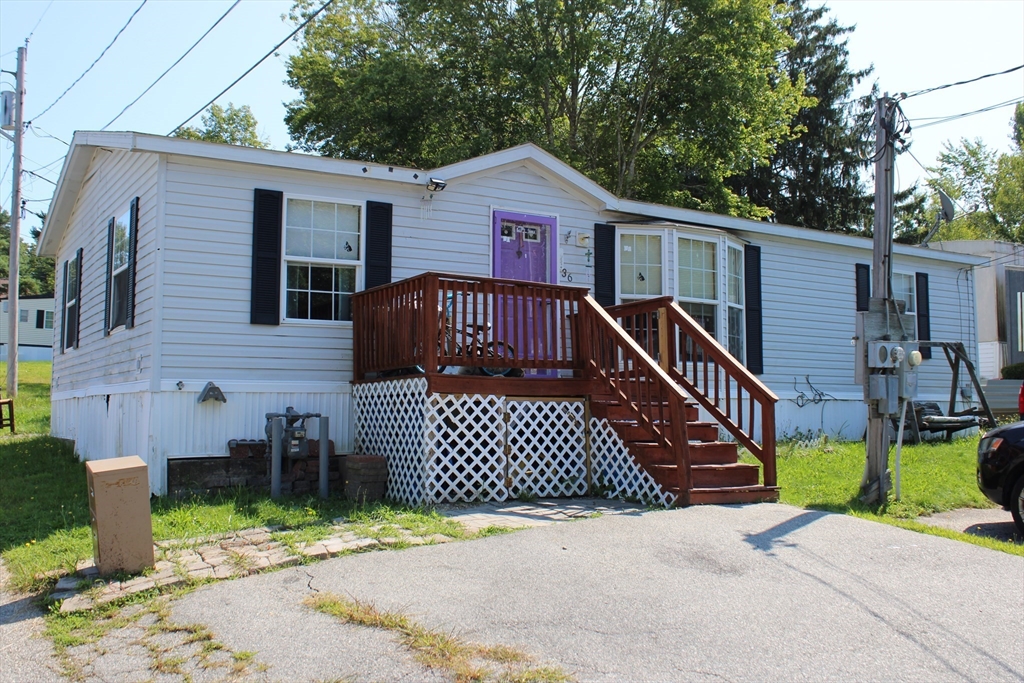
(660, 101)
(988, 189)
(231, 126)
(1015, 371)
(35, 273)
(814, 179)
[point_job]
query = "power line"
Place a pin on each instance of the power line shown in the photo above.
(151, 85)
(250, 69)
(36, 130)
(971, 113)
(41, 177)
(94, 63)
(950, 85)
(32, 32)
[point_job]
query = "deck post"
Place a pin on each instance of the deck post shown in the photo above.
(768, 442)
(431, 335)
(663, 347)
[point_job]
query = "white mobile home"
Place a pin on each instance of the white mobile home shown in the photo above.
(184, 262)
(35, 327)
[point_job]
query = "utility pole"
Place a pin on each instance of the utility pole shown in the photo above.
(876, 481)
(887, 354)
(15, 254)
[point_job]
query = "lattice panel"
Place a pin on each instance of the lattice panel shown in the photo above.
(613, 467)
(465, 448)
(547, 448)
(389, 421)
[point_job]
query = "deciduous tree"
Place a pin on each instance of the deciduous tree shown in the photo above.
(231, 126)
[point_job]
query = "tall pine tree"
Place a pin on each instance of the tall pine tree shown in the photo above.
(814, 179)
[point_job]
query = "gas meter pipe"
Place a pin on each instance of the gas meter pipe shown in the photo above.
(277, 436)
(323, 426)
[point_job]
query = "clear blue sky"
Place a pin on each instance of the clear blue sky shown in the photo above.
(913, 44)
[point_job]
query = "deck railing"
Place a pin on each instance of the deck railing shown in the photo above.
(733, 396)
(623, 366)
(434, 321)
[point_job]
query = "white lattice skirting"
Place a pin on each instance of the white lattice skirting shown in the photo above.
(446, 448)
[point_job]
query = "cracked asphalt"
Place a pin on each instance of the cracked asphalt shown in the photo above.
(735, 593)
(739, 593)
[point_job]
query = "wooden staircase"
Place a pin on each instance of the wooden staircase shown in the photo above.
(716, 475)
(708, 376)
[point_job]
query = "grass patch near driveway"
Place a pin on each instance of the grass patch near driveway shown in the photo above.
(439, 650)
(936, 476)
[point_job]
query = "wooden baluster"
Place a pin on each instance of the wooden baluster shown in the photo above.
(429, 324)
(728, 402)
(739, 406)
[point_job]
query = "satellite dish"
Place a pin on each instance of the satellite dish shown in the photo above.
(947, 206)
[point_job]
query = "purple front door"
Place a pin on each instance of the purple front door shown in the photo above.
(524, 249)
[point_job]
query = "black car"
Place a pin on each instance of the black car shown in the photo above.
(1001, 469)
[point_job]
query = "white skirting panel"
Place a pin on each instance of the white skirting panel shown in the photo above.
(991, 359)
(444, 448)
(109, 426)
(186, 428)
(29, 353)
(172, 424)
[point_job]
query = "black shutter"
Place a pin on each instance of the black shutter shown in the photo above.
(110, 267)
(64, 309)
(40, 319)
(265, 302)
(133, 241)
(604, 264)
(924, 318)
(863, 277)
(752, 299)
(78, 295)
(378, 244)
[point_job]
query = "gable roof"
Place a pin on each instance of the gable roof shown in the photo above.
(84, 143)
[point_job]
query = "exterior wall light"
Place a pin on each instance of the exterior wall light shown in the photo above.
(436, 185)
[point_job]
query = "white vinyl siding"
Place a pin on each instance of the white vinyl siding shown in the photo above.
(28, 333)
(113, 179)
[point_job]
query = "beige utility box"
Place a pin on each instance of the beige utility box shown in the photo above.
(122, 529)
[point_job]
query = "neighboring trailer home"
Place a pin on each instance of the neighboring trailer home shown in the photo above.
(35, 327)
(161, 290)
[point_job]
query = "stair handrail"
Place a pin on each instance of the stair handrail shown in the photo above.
(735, 371)
(617, 361)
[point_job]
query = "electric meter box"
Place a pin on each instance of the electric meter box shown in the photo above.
(122, 528)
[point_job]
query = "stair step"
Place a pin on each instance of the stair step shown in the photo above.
(629, 430)
(715, 453)
(616, 411)
(725, 495)
(717, 476)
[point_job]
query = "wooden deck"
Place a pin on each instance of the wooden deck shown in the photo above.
(434, 321)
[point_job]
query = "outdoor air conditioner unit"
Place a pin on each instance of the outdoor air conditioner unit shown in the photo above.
(7, 110)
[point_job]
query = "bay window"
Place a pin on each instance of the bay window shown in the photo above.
(640, 266)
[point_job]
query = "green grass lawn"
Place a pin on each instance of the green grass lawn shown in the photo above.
(44, 514)
(936, 476)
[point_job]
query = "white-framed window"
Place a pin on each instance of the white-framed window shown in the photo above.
(47, 320)
(70, 326)
(23, 315)
(120, 255)
(734, 303)
(903, 289)
(323, 258)
(697, 280)
(641, 265)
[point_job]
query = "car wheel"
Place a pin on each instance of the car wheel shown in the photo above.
(1017, 504)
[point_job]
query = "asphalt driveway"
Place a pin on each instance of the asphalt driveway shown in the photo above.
(738, 593)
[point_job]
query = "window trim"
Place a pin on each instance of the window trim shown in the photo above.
(51, 316)
(359, 265)
(665, 237)
(913, 294)
(741, 307)
(112, 272)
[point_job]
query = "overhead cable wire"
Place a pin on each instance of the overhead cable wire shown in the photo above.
(970, 80)
(36, 130)
(94, 62)
(41, 177)
(177, 61)
(992, 107)
(40, 20)
(251, 68)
